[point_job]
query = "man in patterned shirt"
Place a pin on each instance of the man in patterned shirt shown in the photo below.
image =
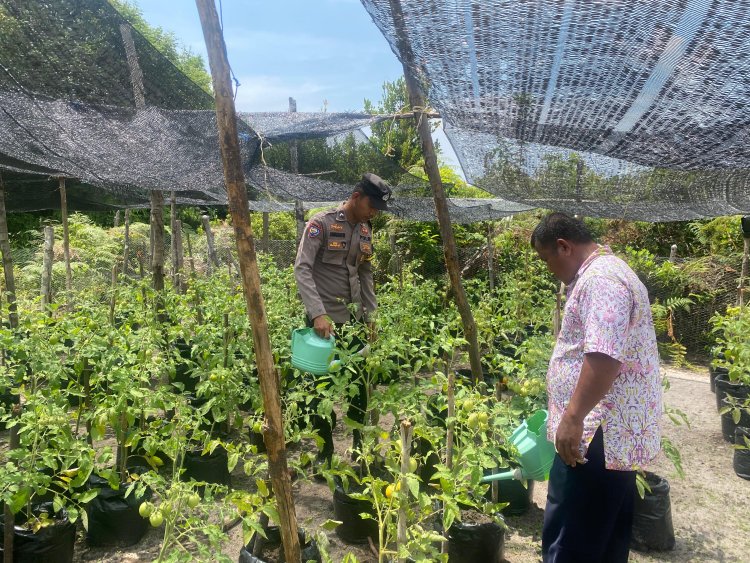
(604, 393)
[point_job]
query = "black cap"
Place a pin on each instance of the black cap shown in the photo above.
(379, 192)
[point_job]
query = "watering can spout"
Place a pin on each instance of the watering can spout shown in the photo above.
(536, 453)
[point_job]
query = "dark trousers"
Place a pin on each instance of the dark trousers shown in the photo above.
(356, 410)
(589, 514)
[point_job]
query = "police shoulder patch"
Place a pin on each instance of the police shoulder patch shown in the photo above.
(313, 230)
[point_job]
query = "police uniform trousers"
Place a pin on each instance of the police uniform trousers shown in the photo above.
(589, 513)
(357, 403)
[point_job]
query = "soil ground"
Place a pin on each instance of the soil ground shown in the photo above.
(710, 506)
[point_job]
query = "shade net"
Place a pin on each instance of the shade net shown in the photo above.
(85, 97)
(622, 108)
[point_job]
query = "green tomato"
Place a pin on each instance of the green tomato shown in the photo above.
(473, 421)
(468, 406)
(483, 418)
(145, 509)
(258, 427)
(193, 500)
(412, 465)
(156, 519)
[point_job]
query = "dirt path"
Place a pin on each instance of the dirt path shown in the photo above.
(710, 506)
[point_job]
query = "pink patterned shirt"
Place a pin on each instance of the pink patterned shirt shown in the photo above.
(608, 311)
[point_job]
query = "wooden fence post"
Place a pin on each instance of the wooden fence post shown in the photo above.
(66, 242)
(10, 280)
(49, 245)
(213, 260)
(126, 244)
(417, 101)
(491, 256)
(226, 119)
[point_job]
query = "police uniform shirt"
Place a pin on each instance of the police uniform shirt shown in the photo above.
(333, 267)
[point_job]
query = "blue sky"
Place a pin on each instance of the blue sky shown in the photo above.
(311, 50)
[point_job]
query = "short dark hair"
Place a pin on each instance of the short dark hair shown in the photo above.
(558, 225)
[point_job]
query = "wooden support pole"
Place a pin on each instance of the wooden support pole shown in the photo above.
(237, 194)
(116, 222)
(743, 273)
(126, 244)
(673, 253)
(557, 315)
(49, 246)
(10, 280)
(213, 260)
(8, 516)
(157, 232)
(491, 256)
(265, 240)
(172, 245)
(299, 216)
(417, 101)
(451, 413)
(66, 242)
(401, 537)
(190, 253)
(179, 253)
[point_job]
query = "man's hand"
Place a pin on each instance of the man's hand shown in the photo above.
(372, 332)
(568, 439)
(323, 326)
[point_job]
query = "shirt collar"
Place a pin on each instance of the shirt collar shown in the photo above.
(602, 250)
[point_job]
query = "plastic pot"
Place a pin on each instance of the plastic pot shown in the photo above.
(353, 528)
(52, 544)
(652, 517)
(713, 373)
(471, 543)
(113, 518)
(725, 388)
(741, 460)
(728, 425)
(518, 497)
(211, 468)
(309, 548)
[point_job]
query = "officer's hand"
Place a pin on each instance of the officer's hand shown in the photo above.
(323, 326)
(372, 332)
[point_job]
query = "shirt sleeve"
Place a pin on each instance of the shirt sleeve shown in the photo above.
(304, 265)
(605, 311)
(367, 286)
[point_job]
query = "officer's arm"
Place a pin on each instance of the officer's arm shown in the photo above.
(303, 268)
(367, 286)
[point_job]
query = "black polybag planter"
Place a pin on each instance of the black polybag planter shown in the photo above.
(471, 543)
(353, 528)
(741, 460)
(518, 497)
(211, 468)
(53, 544)
(713, 373)
(725, 388)
(652, 517)
(728, 425)
(114, 520)
(310, 551)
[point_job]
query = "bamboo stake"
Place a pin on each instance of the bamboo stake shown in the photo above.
(10, 280)
(491, 256)
(116, 222)
(451, 414)
(66, 242)
(157, 229)
(213, 260)
(743, 273)
(557, 315)
(237, 194)
(126, 244)
(9, 517)
(179, 255)
(190, 253)
(172, 241)
(417, 101)
(49, 245)
(401, 537)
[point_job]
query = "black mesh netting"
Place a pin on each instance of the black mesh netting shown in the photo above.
(84, 96)
(616, 109)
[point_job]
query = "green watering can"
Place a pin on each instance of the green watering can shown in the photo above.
(536, 452)
(311, 353)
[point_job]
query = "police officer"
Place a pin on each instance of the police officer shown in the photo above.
(333, 270)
